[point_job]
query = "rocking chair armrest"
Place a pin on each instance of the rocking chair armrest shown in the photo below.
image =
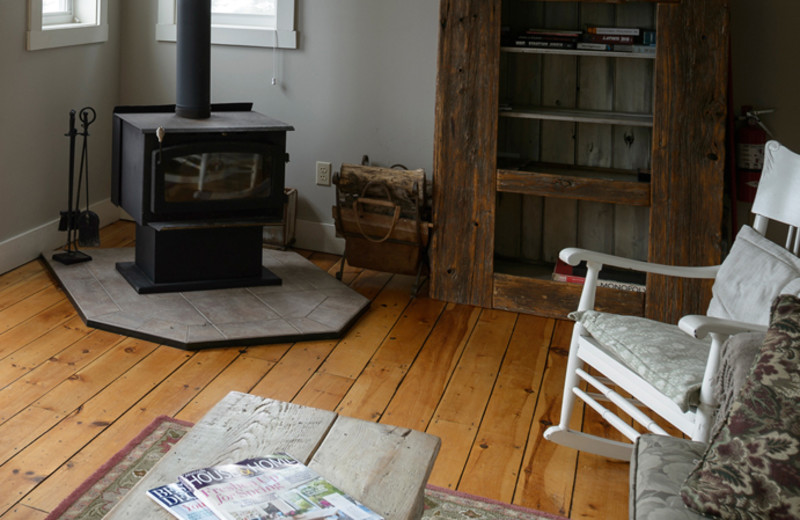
(574, 255)
(700, 326)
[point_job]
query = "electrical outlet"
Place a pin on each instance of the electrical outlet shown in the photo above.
(323, 173)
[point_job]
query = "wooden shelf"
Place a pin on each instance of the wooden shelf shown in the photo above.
(579, 52)
(557, 299)
(523, 286)
(573, 182)
(579, 116)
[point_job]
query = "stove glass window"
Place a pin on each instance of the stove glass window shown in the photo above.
(216, 176)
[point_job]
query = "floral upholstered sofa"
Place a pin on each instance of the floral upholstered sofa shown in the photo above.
(751, 466)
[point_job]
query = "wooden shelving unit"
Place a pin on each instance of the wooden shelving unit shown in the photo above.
(617, 151)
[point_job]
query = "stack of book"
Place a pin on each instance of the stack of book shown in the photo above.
(622, 279)
(273, 486)
(549, 38)
(619, 39)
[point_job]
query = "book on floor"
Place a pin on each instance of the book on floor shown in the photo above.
(609, 277)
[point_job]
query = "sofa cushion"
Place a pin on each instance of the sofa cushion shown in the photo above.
(659, 465)
(756, 268)
(751, 468)
(662, 354)
(736, 358)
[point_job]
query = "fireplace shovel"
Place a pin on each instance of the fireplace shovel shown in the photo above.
(69, 218)
(88, 221)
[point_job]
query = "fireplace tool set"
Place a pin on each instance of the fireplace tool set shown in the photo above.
(85, 223)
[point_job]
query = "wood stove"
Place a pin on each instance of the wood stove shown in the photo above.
(200, 180)
(200, 191)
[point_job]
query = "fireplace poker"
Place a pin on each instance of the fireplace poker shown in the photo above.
(69, 218)
(88, 221)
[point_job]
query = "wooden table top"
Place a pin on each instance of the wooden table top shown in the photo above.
(385, 467)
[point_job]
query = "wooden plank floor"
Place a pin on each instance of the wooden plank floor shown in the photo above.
(486, 381)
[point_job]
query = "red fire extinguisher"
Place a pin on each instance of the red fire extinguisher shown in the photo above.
(750, 139)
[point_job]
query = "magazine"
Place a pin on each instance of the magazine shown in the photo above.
(272, 487)
(179, 501)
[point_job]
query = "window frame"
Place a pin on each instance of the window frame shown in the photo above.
(41, 35)
(284, 35)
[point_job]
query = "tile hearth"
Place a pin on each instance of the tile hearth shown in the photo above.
(309, 304)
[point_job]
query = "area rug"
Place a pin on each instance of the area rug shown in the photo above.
(95, 497)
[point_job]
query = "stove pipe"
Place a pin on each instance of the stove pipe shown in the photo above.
(194, 59)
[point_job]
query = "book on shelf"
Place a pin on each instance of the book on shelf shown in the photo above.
(505, 35)
(272, 486)
(547, 38)
(618, 39)
(544, 44)
(622, 279)
(617, 31)
(641, 49)
(591, 46)
(609, 38)
(572, 33)
(645, 49)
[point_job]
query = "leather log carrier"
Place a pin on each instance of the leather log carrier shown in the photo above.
(383, 215)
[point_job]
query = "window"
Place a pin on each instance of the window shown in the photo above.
(57, 12)
(60, 23)
(256, 23)
(244, 13)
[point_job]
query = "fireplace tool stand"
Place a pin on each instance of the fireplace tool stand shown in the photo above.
(73, 221)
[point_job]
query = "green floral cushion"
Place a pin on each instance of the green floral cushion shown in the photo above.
(752, 466)
(662, 354)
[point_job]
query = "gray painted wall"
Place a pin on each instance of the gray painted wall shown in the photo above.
(361, 82)
(37, 91)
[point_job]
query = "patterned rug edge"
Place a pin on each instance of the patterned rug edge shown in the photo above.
(497, 503)
(494, 509)
(110, 463)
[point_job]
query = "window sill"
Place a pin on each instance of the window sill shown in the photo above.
(237, 35)
(64, 35)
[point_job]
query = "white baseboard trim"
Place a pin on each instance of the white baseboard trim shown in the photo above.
(317, 236)
(28, 245)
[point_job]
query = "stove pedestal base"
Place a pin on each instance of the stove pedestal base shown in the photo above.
(177, 259)
(144, 285)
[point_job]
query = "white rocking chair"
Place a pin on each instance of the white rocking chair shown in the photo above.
(666, 368)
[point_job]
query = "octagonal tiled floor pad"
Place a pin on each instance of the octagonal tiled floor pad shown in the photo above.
(309, 304)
